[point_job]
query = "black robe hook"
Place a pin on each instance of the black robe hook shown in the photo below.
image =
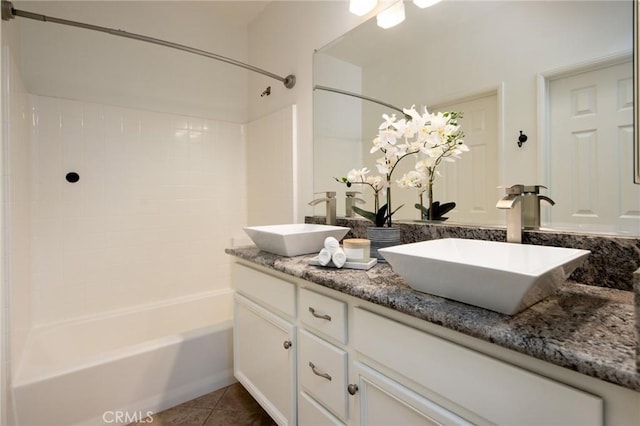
(521, 139)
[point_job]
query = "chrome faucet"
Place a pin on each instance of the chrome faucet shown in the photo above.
(512, 202)
(330, 199)
(351, 201)
(531, 205)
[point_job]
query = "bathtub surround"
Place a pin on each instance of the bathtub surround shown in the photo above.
(145, 360)
(611, 264)
(17, 287)
(137, 227)
(133, 234)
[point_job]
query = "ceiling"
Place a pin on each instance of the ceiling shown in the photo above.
(240, 11)
(237, 11)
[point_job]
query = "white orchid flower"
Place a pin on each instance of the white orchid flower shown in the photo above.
(389, 121)
(356, 175)
(377, 182)
(414, 124)
(437, 121)
(387, 137)
(382, 166)
(412, 179)
(422, 166)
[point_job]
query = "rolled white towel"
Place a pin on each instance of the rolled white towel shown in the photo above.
(331, 244)
(324, 257)
(339, 258)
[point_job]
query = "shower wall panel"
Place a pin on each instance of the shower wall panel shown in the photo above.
(158, 198)
(16, 159)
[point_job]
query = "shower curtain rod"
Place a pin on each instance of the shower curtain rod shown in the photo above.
(355, 95)
(9, 12)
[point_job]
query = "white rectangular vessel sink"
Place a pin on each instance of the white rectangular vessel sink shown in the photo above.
(293, 239)
(502, 277)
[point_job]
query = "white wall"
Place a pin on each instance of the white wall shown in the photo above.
(282, 39)
(337, 126)
(271, 145)
(74, 63)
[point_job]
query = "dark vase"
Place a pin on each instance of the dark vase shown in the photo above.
(382, 237)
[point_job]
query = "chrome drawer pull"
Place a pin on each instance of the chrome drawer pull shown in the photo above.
(286, 344)
(323, 375)
(321, 316)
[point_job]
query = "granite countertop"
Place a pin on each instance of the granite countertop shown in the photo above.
(585, 328)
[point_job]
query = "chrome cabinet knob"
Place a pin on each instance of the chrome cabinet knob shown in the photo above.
(287, 344)
(352, 389)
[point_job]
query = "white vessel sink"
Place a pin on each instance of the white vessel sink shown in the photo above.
(293, 239)
(502, 277)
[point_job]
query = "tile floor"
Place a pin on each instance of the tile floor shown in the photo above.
(230, 406)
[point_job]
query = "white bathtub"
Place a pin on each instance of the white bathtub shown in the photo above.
(116, 369)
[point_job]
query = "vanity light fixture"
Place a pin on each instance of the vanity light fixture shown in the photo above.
(392, 16)
(425, 3)
(362, 7)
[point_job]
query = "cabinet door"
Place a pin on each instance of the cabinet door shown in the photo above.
(264, 359)
(382, 401)
(491, 389)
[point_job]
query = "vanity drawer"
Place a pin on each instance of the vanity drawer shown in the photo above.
(323, 314)
(322, 371)
(497, 391)
(310, 413)
(265, 289)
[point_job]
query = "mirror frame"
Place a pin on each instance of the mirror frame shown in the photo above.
(636, 91)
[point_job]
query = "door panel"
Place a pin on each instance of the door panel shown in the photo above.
(471, 181)
(591, 150)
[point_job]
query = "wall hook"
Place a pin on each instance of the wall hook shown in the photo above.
(522, 139)
(266, 92)
(72, 177)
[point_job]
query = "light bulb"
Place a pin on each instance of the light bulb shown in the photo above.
(362, 7)
(425, 3)
(392, 16)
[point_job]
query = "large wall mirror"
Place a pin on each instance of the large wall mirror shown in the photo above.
(560, 72)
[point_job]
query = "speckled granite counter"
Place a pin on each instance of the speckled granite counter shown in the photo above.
(584, 328)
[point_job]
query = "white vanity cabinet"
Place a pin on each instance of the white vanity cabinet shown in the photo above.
(323, 360)
(351, 362)
(382, 401)
(484, 387)
(264, 341)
